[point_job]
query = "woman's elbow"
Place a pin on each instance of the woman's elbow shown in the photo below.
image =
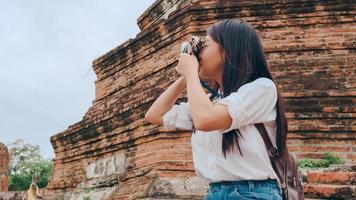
(149, 116)
(204, 124)
(203, 127)
(153, 119)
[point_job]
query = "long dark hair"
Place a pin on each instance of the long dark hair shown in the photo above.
(244, 62)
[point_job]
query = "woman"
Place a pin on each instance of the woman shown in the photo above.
(234, 58)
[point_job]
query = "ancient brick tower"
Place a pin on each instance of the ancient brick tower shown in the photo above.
(113, 153)
(4, 167)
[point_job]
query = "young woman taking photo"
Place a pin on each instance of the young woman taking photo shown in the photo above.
(227, 148)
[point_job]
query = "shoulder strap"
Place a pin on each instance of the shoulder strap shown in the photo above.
(278, 163)
(272, 151)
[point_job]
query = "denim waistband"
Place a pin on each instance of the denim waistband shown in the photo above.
(247, 183)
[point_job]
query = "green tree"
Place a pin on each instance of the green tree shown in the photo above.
(26, 162)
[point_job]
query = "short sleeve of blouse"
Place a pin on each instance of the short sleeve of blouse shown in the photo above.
(179, 117)
(254, 102)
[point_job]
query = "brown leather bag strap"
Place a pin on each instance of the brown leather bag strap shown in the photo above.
(272, 151)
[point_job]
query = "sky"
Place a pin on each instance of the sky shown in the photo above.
(47, 49)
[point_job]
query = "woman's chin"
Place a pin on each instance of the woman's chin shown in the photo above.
(202, 76)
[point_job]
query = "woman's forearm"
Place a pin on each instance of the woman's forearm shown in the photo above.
(200, 105)
(165, 101)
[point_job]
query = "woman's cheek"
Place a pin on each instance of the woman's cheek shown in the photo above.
(204, 64)
(204, 72)
(201, 71)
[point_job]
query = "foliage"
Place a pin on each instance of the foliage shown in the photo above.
(26, 162)
(326, 161)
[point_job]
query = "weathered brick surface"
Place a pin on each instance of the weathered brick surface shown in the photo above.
(336, 182)
(310, 47)
(13, 195)
(4, 168)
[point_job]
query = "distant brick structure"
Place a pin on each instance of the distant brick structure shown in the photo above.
(4, 168)
(113, 151)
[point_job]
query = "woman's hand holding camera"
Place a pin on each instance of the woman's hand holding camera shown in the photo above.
(187, 65)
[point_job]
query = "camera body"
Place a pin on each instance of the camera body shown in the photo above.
(195, 45)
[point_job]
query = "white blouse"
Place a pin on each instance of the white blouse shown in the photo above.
(254, 102)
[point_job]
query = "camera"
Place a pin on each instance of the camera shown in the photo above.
(195, 45)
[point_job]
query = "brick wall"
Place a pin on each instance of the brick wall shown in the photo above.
(4, 168)
(310, 48)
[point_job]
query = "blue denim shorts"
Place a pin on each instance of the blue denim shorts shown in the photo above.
(244, 189)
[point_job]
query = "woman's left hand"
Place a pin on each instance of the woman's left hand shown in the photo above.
(187, 64)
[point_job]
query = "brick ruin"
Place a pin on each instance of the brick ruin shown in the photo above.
(4, 168)
(113, 153)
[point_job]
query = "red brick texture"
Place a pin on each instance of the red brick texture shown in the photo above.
(4, 168)
(332, 183)
(310, 48)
